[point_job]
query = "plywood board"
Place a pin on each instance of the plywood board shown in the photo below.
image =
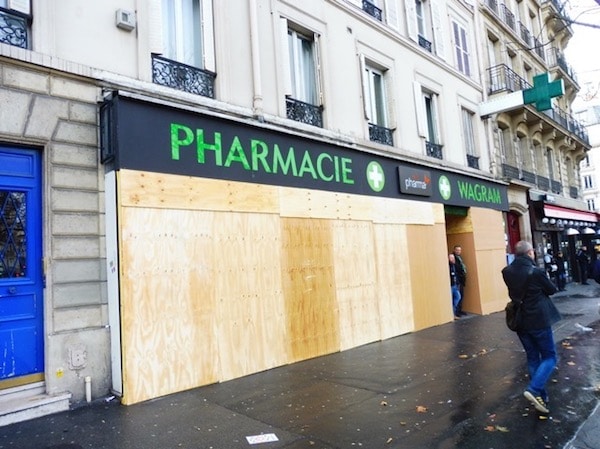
(356, 283)
(309, 289)
(167, 302)
(394, 288)
(159, 190)
(430, 278)
(251, 319)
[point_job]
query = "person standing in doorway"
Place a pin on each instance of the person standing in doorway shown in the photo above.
(583, 261)
(461, 273)
(529, 285)
(454, 287)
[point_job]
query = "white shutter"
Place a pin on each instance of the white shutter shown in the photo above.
(365, 87)
(420, 109)
(390, 99)
(391, 14)
(439, 34)
(319, 78)
(411, 20)
(208, 39)
(155, 27)
(285, 57)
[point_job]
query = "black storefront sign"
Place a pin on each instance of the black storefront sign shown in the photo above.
(140, 135)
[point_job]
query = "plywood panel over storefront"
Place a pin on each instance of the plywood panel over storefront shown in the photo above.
(220, 279)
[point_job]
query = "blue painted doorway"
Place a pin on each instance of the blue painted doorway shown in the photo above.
(21, 269)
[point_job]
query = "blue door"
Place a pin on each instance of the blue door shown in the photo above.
(21, 271)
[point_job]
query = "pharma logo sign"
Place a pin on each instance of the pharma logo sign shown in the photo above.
(151, 137)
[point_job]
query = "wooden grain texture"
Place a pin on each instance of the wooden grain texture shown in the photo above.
(356, 283)
(167, 302)
(309, 290)
(430, 278)
(394, 283)
(251, 319)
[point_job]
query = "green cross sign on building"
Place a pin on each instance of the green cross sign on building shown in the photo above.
(543, 91)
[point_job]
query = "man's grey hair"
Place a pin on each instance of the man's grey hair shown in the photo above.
(522, 248)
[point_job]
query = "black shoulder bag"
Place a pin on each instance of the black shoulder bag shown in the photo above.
(513, 308)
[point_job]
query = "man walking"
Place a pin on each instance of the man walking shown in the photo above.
(529, 285)
(461, 274)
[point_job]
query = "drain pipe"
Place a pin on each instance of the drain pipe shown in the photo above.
(257, 100)
(88, 389)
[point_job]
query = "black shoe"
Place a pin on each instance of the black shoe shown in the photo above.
(462, 313)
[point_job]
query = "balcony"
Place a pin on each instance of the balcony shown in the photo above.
(425, 43)
(556, 59)
(14, 28)
(556, 16)
(503, 79)
(372, 10)
(473, 161)
(556, 187)
(381, 134)
(508, 17)
(543, 183)
(177, 75)
(434, 150)
(304, 112)
(573, 192)
(528, 176)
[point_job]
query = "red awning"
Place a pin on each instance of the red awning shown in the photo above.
(569, 214)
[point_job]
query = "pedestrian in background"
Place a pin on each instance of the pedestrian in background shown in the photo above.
(454, 287)
(583, 261)
(461, 273)
(529, 285)
(561, 276)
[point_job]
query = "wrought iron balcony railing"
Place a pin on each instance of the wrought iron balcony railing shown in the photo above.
(372, 10)
(493, 5)
(425, 43)
(525, 34)
(434, 150)
(177, 75)
(503, 79)
(573, 192)
(556, 58)
(543, 183)
(556, 186)
(304, 112)
(13, 29)
(508, 17)
(510, 171)
(538, 47)
(528, 176)
(473, 161)
(381, 134)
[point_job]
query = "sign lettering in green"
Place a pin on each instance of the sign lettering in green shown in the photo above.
(543, 91)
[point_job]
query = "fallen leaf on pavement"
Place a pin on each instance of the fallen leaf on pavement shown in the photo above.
(502, 428)
(571, 363)
(421, 409)
(489, 428)
(463, 356)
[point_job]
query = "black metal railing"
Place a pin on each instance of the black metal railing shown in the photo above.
(381, 134)
(304, 112)
(556, 58)
(510, 171)
(543, 183)
(434, 150)
(528, 176)
(425, 43)
(538, 48)
(567, 121)
(493, 5)
(177, 75)
(13, 29)
(573, 192)
(556, 186)
(525, 34)
(372, 10)
(473, 161)
(502, 78)
(508, 16)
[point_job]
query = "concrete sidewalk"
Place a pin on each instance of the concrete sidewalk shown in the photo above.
(458, 385)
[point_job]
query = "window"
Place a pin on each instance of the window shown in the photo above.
(183, 50)
(425, 25)
(461, 49)
(587, 182)
(591, 204)
(15, 21)
(428, 122)
(376, 110)
(301, 65)
(468, 131)
(550, 164)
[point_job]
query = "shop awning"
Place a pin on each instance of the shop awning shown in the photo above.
(569, 214)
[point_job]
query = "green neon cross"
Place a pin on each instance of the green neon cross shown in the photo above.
(542, 91)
